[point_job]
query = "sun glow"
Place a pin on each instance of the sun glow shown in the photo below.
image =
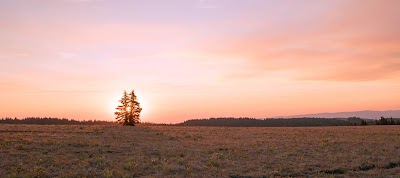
(114, 103)
(144, 105)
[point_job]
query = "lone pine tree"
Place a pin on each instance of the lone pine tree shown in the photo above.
(128, 112)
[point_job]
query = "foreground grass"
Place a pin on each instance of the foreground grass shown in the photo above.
(166, 151)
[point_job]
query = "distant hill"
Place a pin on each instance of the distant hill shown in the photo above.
(361, 114)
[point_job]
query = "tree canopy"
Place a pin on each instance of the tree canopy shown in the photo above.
(128, 112)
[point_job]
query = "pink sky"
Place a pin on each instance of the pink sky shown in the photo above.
(198, 58)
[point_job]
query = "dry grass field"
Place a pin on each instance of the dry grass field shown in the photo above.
(167, 151)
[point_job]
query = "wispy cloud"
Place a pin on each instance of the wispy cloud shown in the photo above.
(360, 44)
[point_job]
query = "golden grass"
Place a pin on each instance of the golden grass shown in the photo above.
(168, 151)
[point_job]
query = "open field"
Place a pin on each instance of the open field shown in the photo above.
(166, 151)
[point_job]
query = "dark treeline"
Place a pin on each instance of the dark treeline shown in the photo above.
(290, 122)
(53, 121)
(219, 122)
(388, 121)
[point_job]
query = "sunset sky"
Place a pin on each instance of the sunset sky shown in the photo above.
(189, 59)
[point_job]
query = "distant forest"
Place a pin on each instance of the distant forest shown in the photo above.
(290, 122)
(220, 122)
(53, 121)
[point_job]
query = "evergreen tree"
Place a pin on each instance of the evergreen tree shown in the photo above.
(122, 113)
(128, 112)
(392, 122)
(363, 122)
(135, 109)
(383, 121)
